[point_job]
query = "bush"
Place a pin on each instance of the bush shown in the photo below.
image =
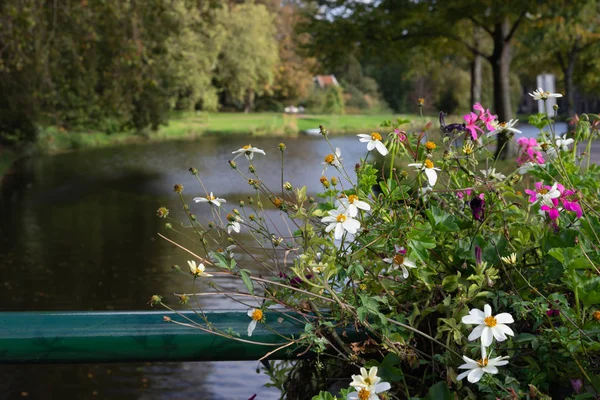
(467, 280)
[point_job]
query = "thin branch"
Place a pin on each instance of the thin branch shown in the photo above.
(515, 26)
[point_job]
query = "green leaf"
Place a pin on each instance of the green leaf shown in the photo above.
(245, 274)
(439, 391)
(450, 283)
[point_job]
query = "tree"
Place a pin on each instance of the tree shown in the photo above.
(249, 54)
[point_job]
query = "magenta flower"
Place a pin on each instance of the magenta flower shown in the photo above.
(477, 205)
(570, 202)
(529, 151)
(471, 120)
(485, 116)
(552, 209)
(400, 135)
(544, 194)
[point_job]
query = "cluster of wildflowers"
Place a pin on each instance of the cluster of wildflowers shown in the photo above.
(347, 262)
(553, 199)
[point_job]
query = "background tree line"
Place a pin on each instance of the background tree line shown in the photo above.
(117, 65)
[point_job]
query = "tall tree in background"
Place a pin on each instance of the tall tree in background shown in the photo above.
(249, 53)
(561, 35)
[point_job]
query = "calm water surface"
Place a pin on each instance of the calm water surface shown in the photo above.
(78, 231)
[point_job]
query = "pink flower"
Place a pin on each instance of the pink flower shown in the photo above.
(553, 211)
(485, 116)
(530, 151)
(571, 202)
(464, 193)
(400, 135)
(471, 120)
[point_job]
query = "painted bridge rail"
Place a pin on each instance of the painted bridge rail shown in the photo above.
(90, 337)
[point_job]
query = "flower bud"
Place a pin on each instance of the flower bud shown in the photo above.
(162, 212)
(178, 188)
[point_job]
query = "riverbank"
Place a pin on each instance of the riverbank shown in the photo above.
(191, 125)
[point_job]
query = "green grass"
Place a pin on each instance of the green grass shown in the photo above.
(189, 125)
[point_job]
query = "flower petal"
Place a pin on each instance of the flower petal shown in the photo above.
(381, 148)
(487, 310)
(475, 375)
(476, 333)
(486, 337)
(504, 318)
(251, 327)
(382, 387)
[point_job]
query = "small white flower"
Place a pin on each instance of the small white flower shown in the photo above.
(510, 260)
(523, 169)
(492, 174)
(476, 369)
(539, 94)
(352, 204)
(367, 385)
(333, 159)
(197, 270)
(373, 142)
(340, 222)
(400, 261)
(563, 144)
(503, 126)
(248, 151)
(210, 199)
(488, 327)
(234, 223)
(429, 170)
(257, 315)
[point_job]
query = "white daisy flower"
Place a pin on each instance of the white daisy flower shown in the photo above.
(340, 222)
(248, 151)
(352, 204)
(429, 170)
(563, 144)
(197, 270)
(210, 199)
(367, 385)
(492, 174)
(488, 327)
(333, 159)
(373, 142)
(234, 223)
(257, 316)
(504, 126)
(540, 94)
(400, 261)
(476, 369)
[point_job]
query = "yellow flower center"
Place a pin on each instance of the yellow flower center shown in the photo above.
(329, 158)
(257, 315)
(430, 145)
(543, 191)
(428, 164)
(341, 218)
(375, 136)
(398, 259)
(421, 101)
(246, 147)
(230, 218)
(502, 124)
(490, 321)
(277, 202)
(210, 198)
(352, 198)
(482, 363)
(596, 315)
(364, 394)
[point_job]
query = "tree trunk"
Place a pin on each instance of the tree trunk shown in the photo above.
(569, 90)
(476, 67)
(500, 61)
(250, 94)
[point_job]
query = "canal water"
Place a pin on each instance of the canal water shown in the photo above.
(78, 231)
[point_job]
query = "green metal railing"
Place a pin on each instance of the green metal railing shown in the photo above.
(89, 337)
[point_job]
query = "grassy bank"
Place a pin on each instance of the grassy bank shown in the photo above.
(192, 124)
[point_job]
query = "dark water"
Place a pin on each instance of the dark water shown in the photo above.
(78, 231)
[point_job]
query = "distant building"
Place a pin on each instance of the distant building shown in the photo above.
(325, 81)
